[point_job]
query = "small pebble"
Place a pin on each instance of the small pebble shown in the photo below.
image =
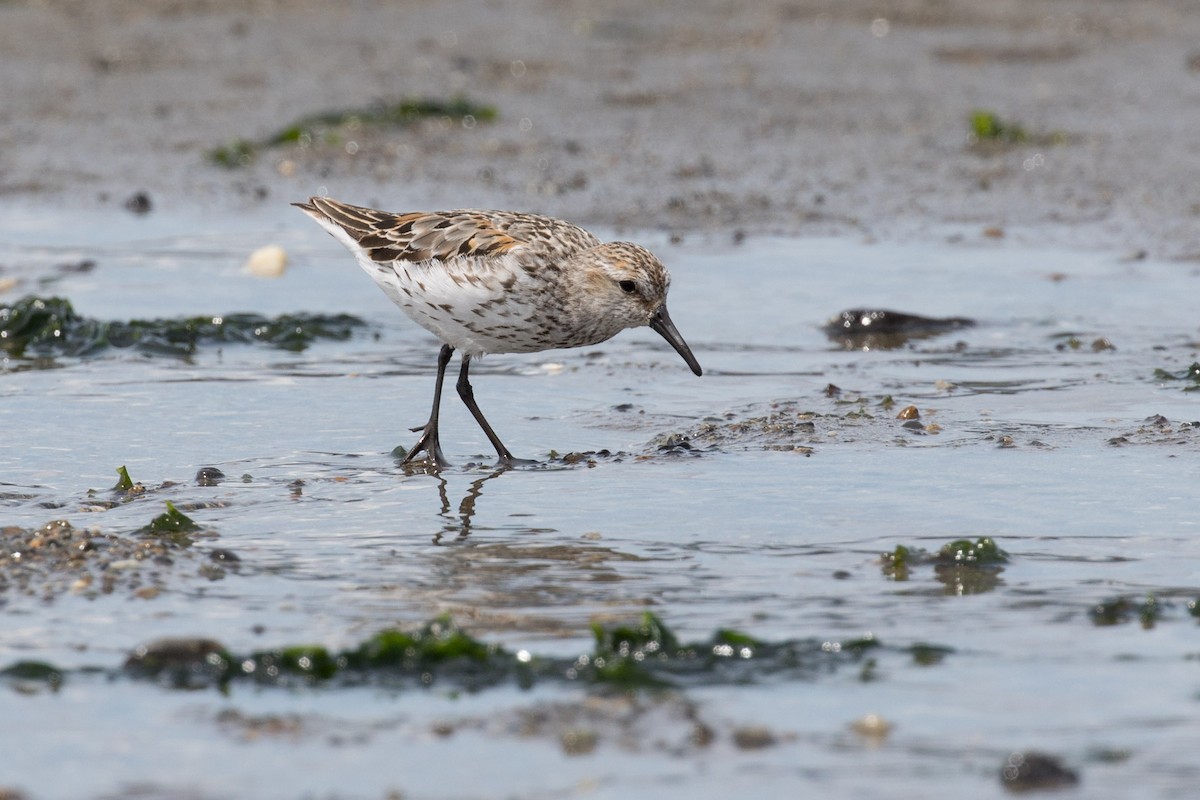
(753, 738)
(578, 742)
(872, 726)
(267, 262)
(702, 735)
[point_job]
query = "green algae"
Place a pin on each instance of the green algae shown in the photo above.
(173, 526)
(626, 657)
(896, 564)
(172, 521)
(648, 637)
(437, 650)
(981, 552)
(962, 566)
(987, 126)
(1191, 376)
(311, 660)
(927, 655)
(989, 132)
(34, 672)
(621, 653)
(332, 127)
(438, 641)
(1120, 610)
(44, 326)
(644, 655)
(124, 482)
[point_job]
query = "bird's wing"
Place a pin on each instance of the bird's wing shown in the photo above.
(443, 235)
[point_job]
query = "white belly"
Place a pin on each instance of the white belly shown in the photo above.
(474, 306)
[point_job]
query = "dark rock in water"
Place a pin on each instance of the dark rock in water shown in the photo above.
(77, 267)
(209, 476)
(223, 555)
(169, 652)
(880, 329)
(672, 441)
(180, 662)
(139, 203)
(1033, 771)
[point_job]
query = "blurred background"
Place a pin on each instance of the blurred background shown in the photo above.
(1056, 119)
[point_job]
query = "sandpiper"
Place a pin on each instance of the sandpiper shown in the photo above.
(501, 282)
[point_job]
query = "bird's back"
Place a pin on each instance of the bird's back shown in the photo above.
(482, 281)
(442, 235)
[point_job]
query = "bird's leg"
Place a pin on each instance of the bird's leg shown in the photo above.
(468, 397)
(428, 443)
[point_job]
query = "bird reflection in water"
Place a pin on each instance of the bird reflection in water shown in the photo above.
(456, 528)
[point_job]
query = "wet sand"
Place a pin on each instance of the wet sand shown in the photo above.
(798, 118)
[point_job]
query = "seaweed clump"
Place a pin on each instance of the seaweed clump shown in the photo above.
(644, 655)
(37, 326)
(963, 566)
(1189, 376)
(331, 126)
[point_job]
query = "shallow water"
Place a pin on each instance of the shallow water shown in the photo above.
(1053, 450)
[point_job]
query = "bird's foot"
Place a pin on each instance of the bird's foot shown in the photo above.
(428, 444)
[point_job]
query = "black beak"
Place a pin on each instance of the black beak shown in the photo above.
(662, 325)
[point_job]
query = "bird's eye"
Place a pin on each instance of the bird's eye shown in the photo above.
(628, 287)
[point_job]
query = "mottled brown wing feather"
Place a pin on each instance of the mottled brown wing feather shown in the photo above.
(443, 235)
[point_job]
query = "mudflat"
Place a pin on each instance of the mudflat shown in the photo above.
(798, 117)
